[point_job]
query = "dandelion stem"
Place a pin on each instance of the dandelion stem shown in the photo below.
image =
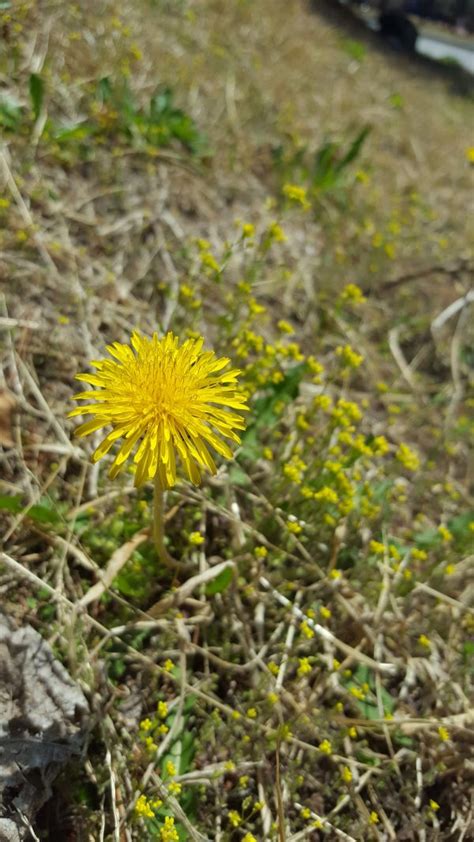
(159, 524)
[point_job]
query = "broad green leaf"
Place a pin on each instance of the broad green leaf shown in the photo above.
(221, 582)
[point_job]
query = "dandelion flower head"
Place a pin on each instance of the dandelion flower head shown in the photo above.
(167, 400)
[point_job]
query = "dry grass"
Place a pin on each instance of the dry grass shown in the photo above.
(95, 241)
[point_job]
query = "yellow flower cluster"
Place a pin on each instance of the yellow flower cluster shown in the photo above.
(297, 194)
(168, 832)
(407, 457)
(352, 293)
(349, 358)
(146, 808)
(294, 470)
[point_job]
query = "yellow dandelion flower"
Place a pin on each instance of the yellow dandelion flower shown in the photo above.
(167, 398)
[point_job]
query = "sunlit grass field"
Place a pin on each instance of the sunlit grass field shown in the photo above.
(301, 199)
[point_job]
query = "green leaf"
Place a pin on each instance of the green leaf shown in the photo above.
(354, 149)
(11, 504)
(41, 512)
(36, 93)
(221, 582)
(10, 113)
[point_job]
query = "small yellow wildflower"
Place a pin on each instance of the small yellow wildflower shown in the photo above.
(249, 838)
(380, 446)
(296, 194)
(424, 641)
(168, 665)
(407, 457)
(267, 453)
(445, 534)
(304, 666)
(443, 733)
(261, 552)
(272, 698)
(146, 725)
(236, 714)
(174, 788)
(252, 713)
(305, 813)
(162, 709)
(352, 732)
(306, 630)
(315, 367)
(326, 747)
(143, 808)
(325, 612)
(209, 261)
(419, 555)
(346, 775)
(335, 574)
(196, 539)
(285, 327)
(394, 552)
(373, 818)
(434, 805)
(294, 527)
(248, 230)
(150, 744)
(349, 357)
(170, 768)
(357, 693)
(234, 818)
(323, 402)
(168, 832)
(470, 154)
(450, 569)
(377, 547)
(273, 667)
(275, 232)
(326, 495)
(353, 293)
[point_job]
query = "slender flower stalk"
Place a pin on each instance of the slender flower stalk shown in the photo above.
(166, 402)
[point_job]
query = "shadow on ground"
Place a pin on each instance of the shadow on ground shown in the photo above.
(460, 82)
